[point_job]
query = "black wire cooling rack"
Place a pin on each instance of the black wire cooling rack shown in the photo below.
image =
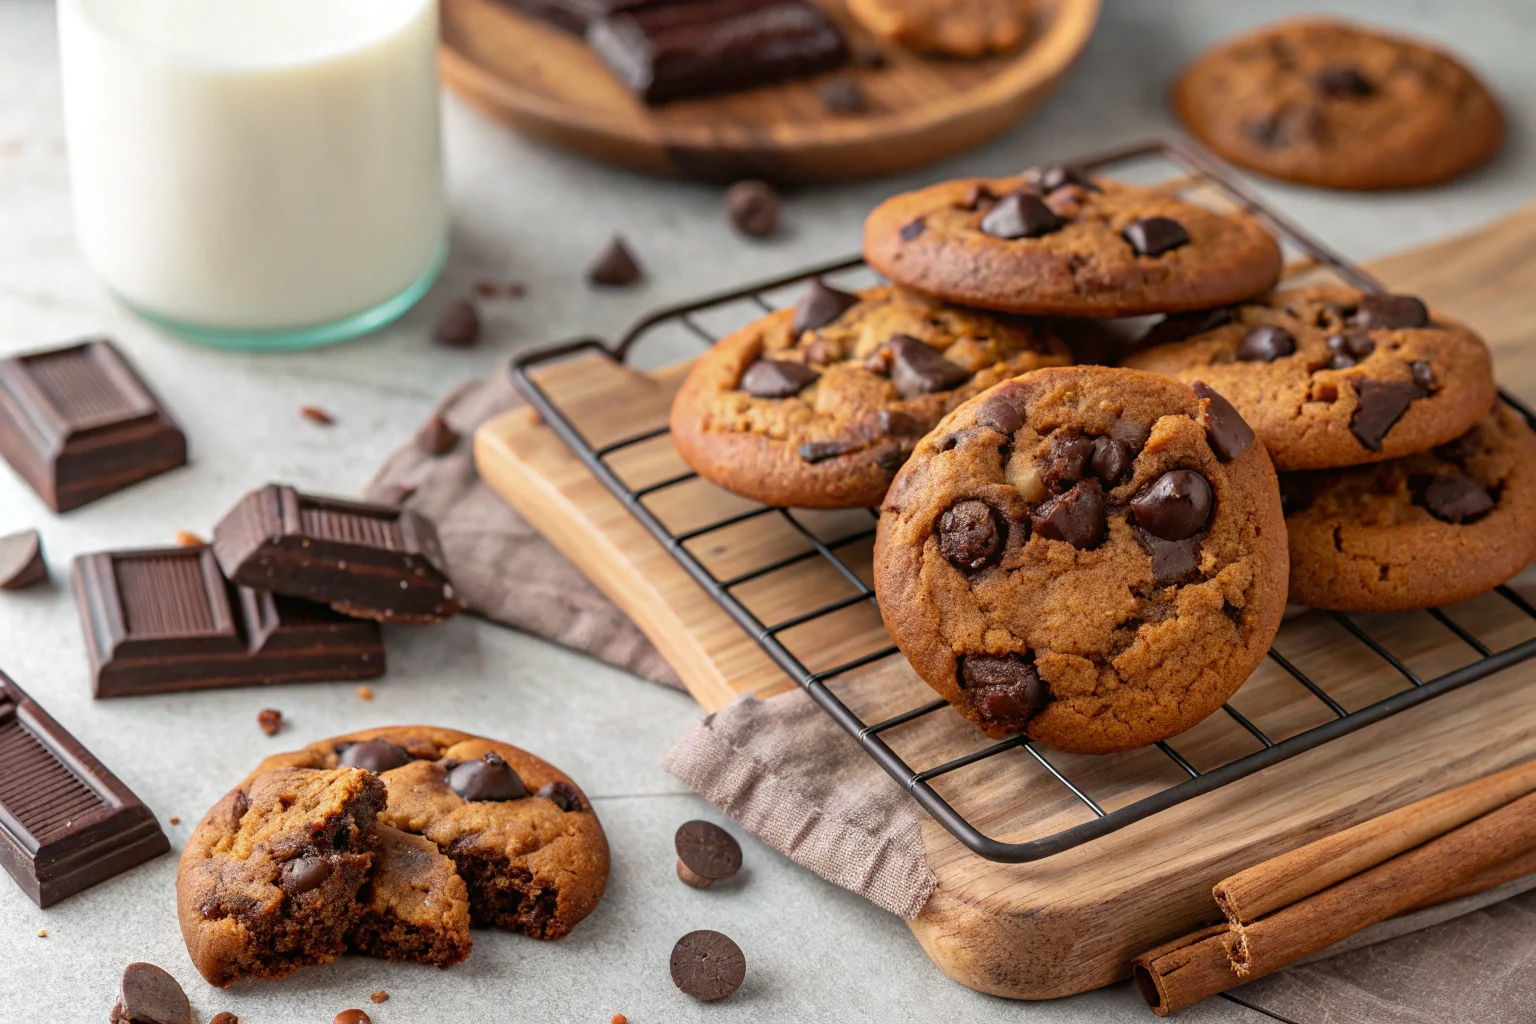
(1192, 172)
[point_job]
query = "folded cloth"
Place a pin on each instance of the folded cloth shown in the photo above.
(785, 771)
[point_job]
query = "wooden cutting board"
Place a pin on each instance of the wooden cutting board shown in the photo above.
(546, 83)
(1073, 921)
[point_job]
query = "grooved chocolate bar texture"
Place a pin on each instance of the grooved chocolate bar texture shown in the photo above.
(369, 561)
(77, 423)
(666, 51)
(66, 822)
(162, 620)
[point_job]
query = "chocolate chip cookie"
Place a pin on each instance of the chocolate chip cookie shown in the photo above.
(819, 405)
(1326, 102)
(953, 28)
(1420, 531)
(1333, 377)
(1057, 242)
(1094, 557)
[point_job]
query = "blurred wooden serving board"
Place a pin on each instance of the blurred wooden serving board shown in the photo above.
(1073, 921)
(548, 84)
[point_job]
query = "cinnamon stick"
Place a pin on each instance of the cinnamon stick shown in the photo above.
(1266, 887)
(1186, 970)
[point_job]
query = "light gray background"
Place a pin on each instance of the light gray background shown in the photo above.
(814, 952)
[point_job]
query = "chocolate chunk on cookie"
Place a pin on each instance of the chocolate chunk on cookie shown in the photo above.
(1073, 556)
(1326, 102)
(1423, 530)
(1357, 378)
(819, 406)
(1058, 243)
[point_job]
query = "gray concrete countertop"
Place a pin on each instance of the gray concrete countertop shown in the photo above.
(524, 212)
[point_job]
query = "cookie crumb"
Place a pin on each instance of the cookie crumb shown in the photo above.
(353, 1017)
(365, 692)
(224, 1017)
(619, 1018)
(380, 996)
(315, 414)
(42, 933)
(174, 820)
(270, 720)
(189, 540)
(488, 289)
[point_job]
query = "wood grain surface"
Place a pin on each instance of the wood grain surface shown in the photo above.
(548, 84)
(1073, 921)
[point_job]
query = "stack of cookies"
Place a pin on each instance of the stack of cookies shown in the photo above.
(1097, 557)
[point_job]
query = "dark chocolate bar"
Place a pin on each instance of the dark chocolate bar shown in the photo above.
(66, 822)
(370, 561)
(77, 423)
(666, 51)
(163, 620)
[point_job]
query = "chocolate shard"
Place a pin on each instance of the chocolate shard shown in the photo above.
(66, 822)
(917, 368)
(164, 620)
(819, 305)
(1226, 430)
(368, 561)
(76, 423)
(666, 51)
(21, 560)
(1381, 404)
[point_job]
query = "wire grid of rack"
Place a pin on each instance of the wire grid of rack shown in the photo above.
(1196, 170)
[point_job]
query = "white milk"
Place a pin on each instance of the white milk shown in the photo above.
(255, 165)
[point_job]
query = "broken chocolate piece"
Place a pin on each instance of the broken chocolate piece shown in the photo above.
(820, 451)
(1265, 344)
(1066, 459)
(435, 437)
(707, 965)
(1077, 516)
(1001, 414)
(1006, 690)
(1112, 459)
(615, 266)
(1020, 215)
(776, 378)
(1153, 236)
(1457, 499)
(148, 995)
(819, 305)
(562, 794)
(1054, 176)
(1173, 561)
(459, 326)
(1391, 311)
(1381, 404)
(969, 535)
(1226, 430)
(918, 369)
(753, 207)
(21, 560)
(705, 853)
(1181, 326)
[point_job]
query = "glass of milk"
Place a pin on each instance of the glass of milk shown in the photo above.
(257, 173)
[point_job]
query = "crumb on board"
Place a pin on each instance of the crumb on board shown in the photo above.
(365, 692)
(315, 414)
(189, 540)
(379, 996)
(270, 720)
(174, 820)
(42, 933)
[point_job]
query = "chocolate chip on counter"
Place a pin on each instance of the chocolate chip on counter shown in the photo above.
(1076, 516)
(1054, 176)
(270, 720)
(753, 208)
(1111, 459)
(819, 305)
(820, 451)
(705, 853)
(1457, 498)
(1226, 430)
(918, 369)
(615, 266)
(316, 415)
(436, 437)
(352, 1017)
(1341, 83)
(488, 289)
(304, 874)
(977, 196)
(374, 755)
(1175, 506)
(489, 778)
(969, 536)
(707, 965)
(776, 378)
(1004, 689)
(1265, 344)
(21, 560)
(1423, 375)
(1066, 460)
(1173, 561)
(459, 326)
(148, 995)
(913, 229)
(1020, 215)
(224, 1017)
(1001, 414)
(562, 794)
(1381, 404)
(1391, 311)
(1153, 236)
(841, 95)
(1180, 326)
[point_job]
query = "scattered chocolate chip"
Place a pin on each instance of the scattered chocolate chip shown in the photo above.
(352, 1017)
(1175, 506)
(1226, 430)
(912, 229)
(615, 266)
(315, 414)
(189, 540)
(1341, 83)
(705, 853)
(380, 996)
(459, 326)
(562, 794)
(1181, 326)
(270, 720)
(1111, 460)
(1054, 176)
(978, 195)
(1077, 516)
(841, 95)
(488, 289)
(819, 305)
(707, 965)
(820, 451)
(374, 755)
(1004, 689)
(489, 778)
(1381, 404)
(1001, 414)
(1020, 215)
(969, 536)
(224, 1017)
(1265, 344)
(304, 874)
(1391, 311)
(1350, 345)
(148, 995)
(436, 437)
(1153, 236)
(1457, 499)
(394, 494)
(1423, 375)
(21, 560)
(917, 369)
(1173, 561)
(753, 207)
(775, 378)
(1066, 460)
